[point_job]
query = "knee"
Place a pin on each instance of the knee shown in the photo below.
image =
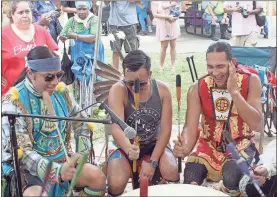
(96, 176)
(172, 45)
(33, 191)
(164, 47)
(231, 182)
(170, 173)
(195, 173)
(116, 185)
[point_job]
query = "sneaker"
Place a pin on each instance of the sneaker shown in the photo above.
(173, 69)
(150, 29)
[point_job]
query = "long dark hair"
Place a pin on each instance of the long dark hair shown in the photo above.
(39, 52)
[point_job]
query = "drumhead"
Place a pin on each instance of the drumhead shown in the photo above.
(178, 190)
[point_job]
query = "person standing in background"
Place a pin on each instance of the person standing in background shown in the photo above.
(244, 25)
(18, 38)
(161, 11)
(123, 17)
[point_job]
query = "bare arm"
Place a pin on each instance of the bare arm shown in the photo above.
(250, 109)
(256, 11)
(230, 9)
(190, 130)
(116, 103)
(86, 38)
(166, 122)
(211, 10)
(68, 9)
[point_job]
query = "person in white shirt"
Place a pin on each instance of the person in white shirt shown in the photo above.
(244, 25)
(264, 173)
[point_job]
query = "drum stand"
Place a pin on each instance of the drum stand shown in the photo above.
(12, 120)
(14, 147)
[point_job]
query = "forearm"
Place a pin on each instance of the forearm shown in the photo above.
(190, 140)
(211, 10)
(161, 16)
(229, 10)
(249, 114)
(68, 9)
(160, 146)
(256, 11)
(86, 38)
(121, 140)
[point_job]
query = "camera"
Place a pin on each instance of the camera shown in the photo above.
(244, 13)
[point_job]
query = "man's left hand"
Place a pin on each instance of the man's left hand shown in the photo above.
(147, 170)
(232, 80)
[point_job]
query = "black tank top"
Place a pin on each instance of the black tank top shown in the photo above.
(148, 116)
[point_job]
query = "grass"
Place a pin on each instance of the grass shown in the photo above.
(168, 77)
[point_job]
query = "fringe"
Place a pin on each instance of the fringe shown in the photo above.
(213, 175)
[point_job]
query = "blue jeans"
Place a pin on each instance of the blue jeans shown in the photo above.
(142, 16)
(266, 26)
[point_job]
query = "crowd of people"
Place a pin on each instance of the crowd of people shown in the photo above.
(32, 72)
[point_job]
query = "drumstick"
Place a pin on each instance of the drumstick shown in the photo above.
(136, 101)
(178, 96)
(48, 103)
(46, 176)
(82, 162)
(143, 186)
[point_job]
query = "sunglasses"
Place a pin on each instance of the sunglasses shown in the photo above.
(132, 83)
(50, 77)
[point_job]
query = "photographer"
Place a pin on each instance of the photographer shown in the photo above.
(244, 25)
(46, 14)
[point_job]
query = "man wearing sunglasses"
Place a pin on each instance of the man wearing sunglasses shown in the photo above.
(153, 121)
(39, 138)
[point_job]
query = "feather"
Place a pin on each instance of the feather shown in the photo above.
(99, 84)
(108, 68)
(101, 90)
(106, 75)
(102, 97)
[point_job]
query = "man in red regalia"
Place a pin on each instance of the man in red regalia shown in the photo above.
(229, 101)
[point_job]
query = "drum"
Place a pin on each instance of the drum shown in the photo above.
(177, 190)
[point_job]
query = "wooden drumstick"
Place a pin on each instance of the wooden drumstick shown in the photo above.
(178, 96)
(136, 101)
(46, 176)
(48, 103)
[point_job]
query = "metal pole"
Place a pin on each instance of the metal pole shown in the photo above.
(14, 145)
(97, 39)
(270, 20)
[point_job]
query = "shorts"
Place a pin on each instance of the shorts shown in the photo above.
(28, 180)
(245, 40)
(131, 40)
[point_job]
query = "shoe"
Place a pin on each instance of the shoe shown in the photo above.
(213, 37)
(223, 29)
(266, 36)
(144, 33)
(173, 69)
(161, 70)
(150, 29)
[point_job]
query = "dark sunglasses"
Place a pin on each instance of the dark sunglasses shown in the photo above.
(50, 77)
(132, 83)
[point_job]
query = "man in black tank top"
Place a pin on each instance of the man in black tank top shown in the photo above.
(153, 121)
